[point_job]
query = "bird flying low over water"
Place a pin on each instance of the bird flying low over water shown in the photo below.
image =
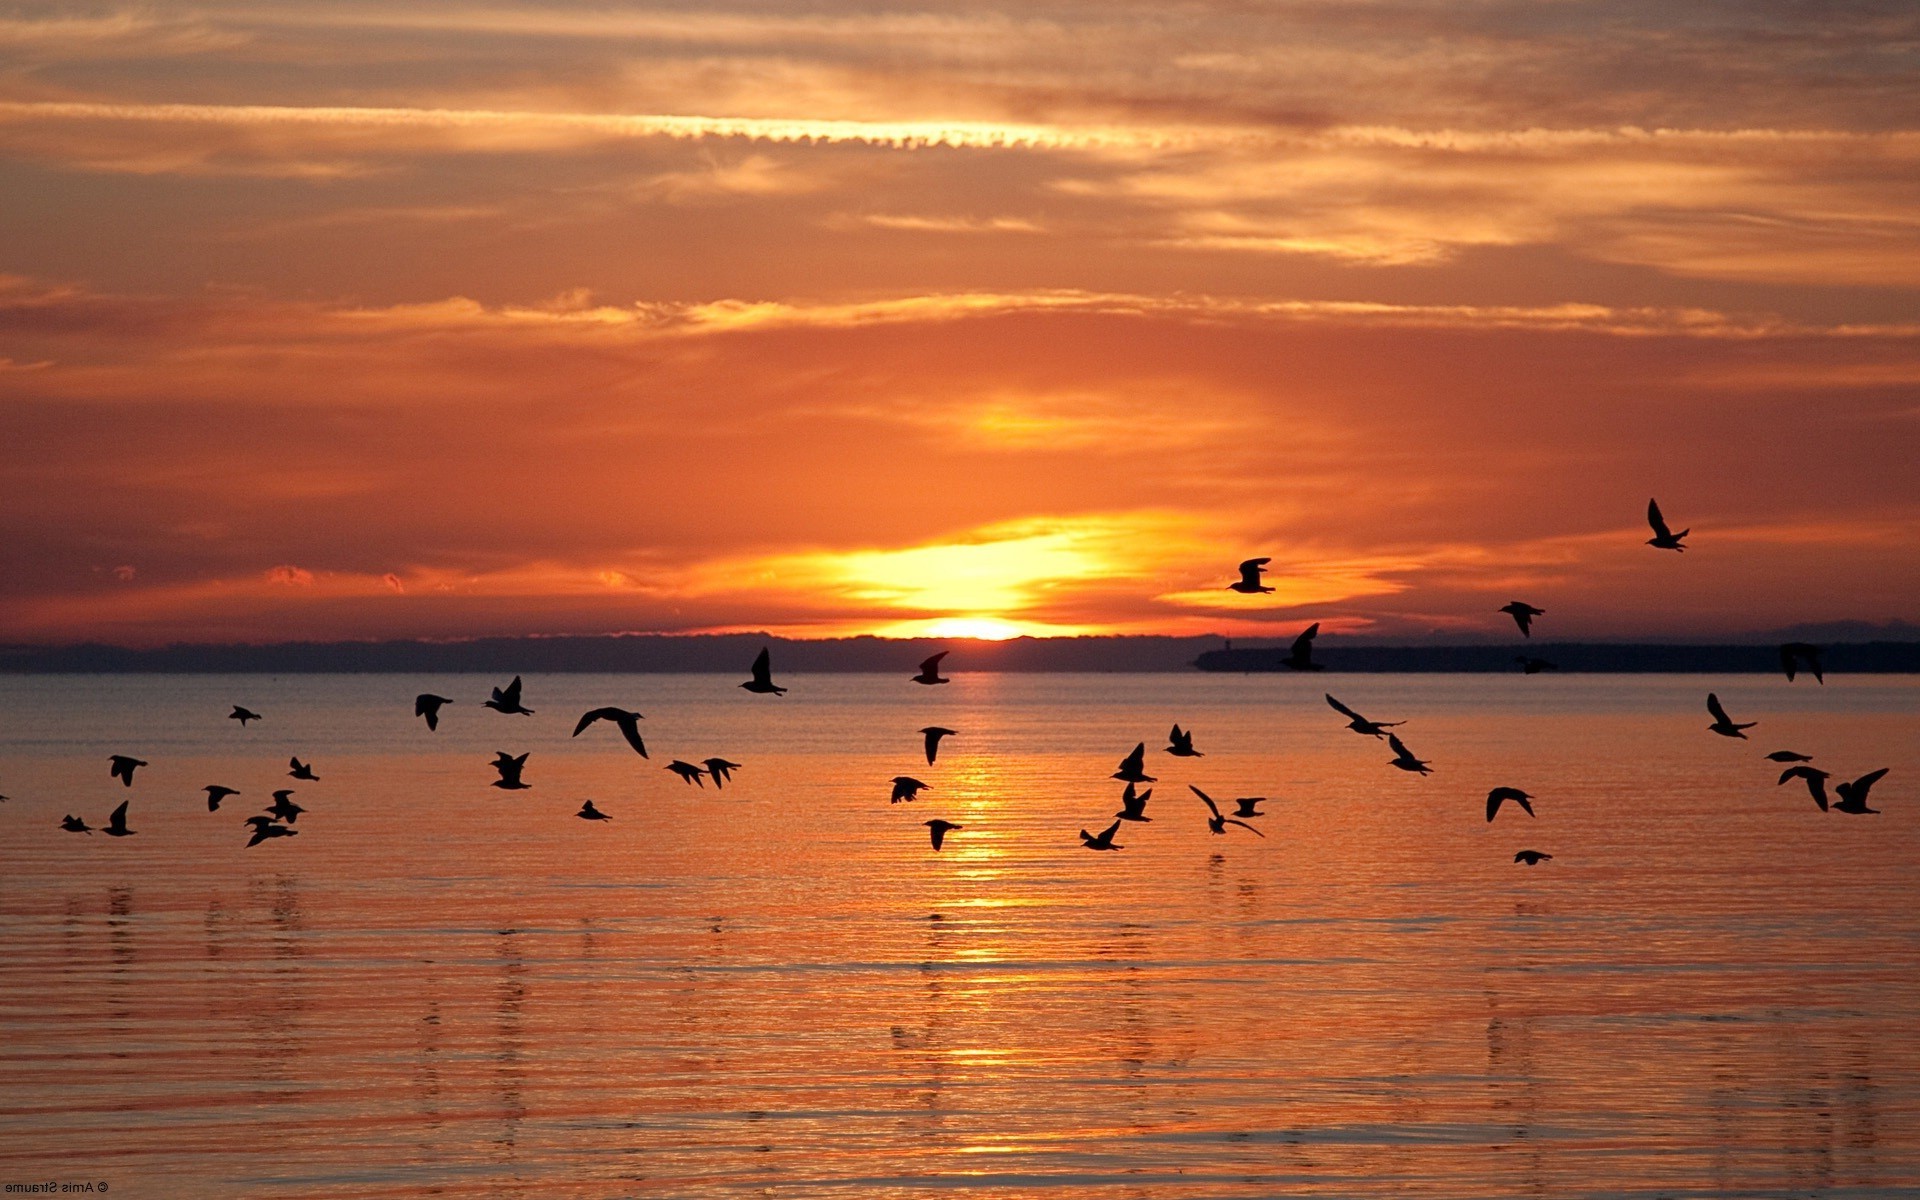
(215, 794)
(283, 808)
(720, 770)
(1133, 767)
(1523, 615)
(1249, 806)
(121, 767)
(1789, 756)
(1663, 538)
(427, 705)
(300, 770)
(1816, 782)
(906, 787)
(73, 824)
(940, 829)
(1181, 744)
(1501, 795)
(265, 828)
(507, 700)
(1360, 724)
(1794, 653)
(1104, 841)
(589, 813)
(1217, 823)
(1853, 796)
(1249, 581)
(242, 715)
(933, 734)
(1722, 724)
(628, 722)
(930, 673)
(117, 823)
(1404, 759)
(1531, 857)
(1133, 805)
(688, 773)
(509, 767)
(762, 681)
(1300, 654)
(1533, 666)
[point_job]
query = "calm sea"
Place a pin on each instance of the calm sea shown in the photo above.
(440, 988)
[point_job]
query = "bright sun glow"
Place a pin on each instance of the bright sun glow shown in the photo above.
(986, 629)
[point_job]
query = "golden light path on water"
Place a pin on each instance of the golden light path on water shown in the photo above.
(779, 988)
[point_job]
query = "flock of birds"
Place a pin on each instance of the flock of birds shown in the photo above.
(278, 819)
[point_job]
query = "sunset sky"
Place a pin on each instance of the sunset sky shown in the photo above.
(380, 320)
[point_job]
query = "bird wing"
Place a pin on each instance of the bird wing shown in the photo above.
(588, 718)
(1719, 714)
(631, 731)
(1858, 789)
(1658, 522)
(1211, 806)
(1244, 825)
(1494, 800)
(119, 818)
(1343, 709)
(763, 668)
(932, 665)
(1303, 645)
(1250, 570)
(1399, 747)
(1106, 835)
(511, 695)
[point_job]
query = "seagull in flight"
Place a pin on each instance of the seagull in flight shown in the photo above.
(117, 823)
(265, 828)
(507, 700)
(283, 808)
(1722, 724)
(940, 829)
(1816, 782)
(1789, 756)
(1360, 724)
(1217, 823)
(906, 787)
(1531, 857)
(1797, 652)
(1523, 615)
(1182, 744)
(930, 672)
(215, 794)
(299, 770)
(510, 767)
(1249, 806)
(688, 773)
(427, 705)
(1404, 759)
(933, 734)
(73, 824)
(589, 813)
(1533, 666)
(721, 770)
(1104, 841)
(1853, 796)
(762, 680)
(1249, 582)
(1300, 656)
(1501, 795)
(242, 715)
(121, 767)
(1663, 538)
(1133, 805)
(628, 722)
(1133, 767)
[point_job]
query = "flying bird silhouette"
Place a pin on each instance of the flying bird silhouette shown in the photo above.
(510, 767)
(1523, 615)
(1404, 759)
(589, 813)
(265, 828)
(427, 705)
(1797, 652)
(1533, 666)
(1531, 857)
(1133, 767)
(1104, 841)
(1853, 796)
(906, 787)
(121, 767)
(283, 808)
(940, 829)
(1133, 805)
(117, 823)
(1360, 724)
(73, 824)
(930, 673)
(721, 770)
(1217, 823)
(1816, 782)
(1722, 725)
(1300, 655)
(1249, 581)
(242, 715)
(299, 770)
(628, 722)
(1789, 756)
(1501, 795)
(762, 680)
(688, 773)
(215, 794)
(1181, 744)
(507, 700)
(1663, 538)
(933, 734)
(1249, 806)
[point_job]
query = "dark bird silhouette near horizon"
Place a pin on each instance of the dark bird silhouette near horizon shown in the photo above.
(627, 721)
(932, 734)
(122, 767)
(1722, 724)
(720, 771)
(1218, 823)
(507, 700)
(427, 705)
(1133, 804)
(117, 823)
(1404, 759)
(939, 830)
(1816, 780)
(1105, 839)
(1789, 756)
(510, 766)
(762, 681)
(1300, 654)
(1853, 794)
(1249, 582)
(1360, 724)
(589, 813)
(1133, 768)
(1523, 615)
(283, 808)
(1531, 857)
(1794, 653)
(215, 794)
(930, 670)
(1501, 795)
(73, 824)
(266, 828)
(1663, 538)
(907, 788)
(1533, 666)
(1248, 806)
(300, 770)
(242, 715)
(1180, 744)
(688, 773)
